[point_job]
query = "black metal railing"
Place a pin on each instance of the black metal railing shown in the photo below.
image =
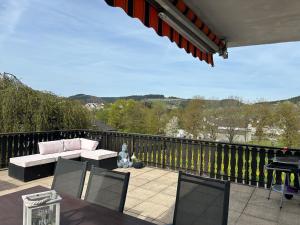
(239, 163)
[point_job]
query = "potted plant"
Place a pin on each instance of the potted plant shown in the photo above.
(136, 163)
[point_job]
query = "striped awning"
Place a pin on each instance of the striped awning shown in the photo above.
(148, 13)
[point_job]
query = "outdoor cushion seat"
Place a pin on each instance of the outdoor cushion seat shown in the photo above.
(33, 160)
(88, 144)
(36, 166)
(100, 158)
(51, 147)
(38, 159)
(71, 154)
(98, 154)
(72, 144)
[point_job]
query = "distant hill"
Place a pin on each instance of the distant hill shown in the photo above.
(223, 103)
(171, 100)
(89, 98)
(295, 100)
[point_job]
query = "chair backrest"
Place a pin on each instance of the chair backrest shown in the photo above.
(107, 188)
(69, 177)
(201, 200)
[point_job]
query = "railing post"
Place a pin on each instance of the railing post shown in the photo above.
(4, 160)
(164, 153)
(232, 163)
(201, 159)
(213, 149)
(253, 166)
(261, 166)
(219, 161)
(270, 173)
(105, 137)
(247, 165)
(132, 145)
(240, 164)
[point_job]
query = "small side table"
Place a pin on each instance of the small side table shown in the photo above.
(286, 165)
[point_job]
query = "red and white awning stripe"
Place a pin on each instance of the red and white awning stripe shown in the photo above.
(147, 13)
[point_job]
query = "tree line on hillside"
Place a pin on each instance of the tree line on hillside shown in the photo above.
(23, 109)
(276, 124)
(94, 99)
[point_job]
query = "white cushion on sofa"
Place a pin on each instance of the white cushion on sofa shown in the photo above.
(33, 160)
(87, 144)
(38, 159)
(50, 147)
(72, 144)
(98, 154)
(71, 154)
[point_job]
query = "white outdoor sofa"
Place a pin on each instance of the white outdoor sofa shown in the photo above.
(31, 167)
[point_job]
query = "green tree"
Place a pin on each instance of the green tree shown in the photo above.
(74, 115)
(211, 124)
(116, 114)
(192, 117)
(156, 118)
(288, 120)
(127, 116)
(172, 127)
(230, 119)
(24, 109)
(246, 119)
(102, 114)
(134, 117)
(263, 117)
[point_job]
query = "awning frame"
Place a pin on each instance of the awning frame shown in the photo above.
(192, 34)
(186, 24)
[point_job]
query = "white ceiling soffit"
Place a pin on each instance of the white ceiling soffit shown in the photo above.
(250, 22)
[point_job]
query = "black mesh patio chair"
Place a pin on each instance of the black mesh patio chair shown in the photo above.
(107, 188)
(201, 201)
(69, 177)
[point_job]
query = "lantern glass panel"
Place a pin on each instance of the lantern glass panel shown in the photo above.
(41, 208)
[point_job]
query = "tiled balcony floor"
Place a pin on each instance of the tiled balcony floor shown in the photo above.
(151, 196)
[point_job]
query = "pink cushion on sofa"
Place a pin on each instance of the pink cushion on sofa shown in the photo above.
(50, 147)
(87, 144)
(72, 144)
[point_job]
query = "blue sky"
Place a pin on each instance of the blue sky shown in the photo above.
(74, 46)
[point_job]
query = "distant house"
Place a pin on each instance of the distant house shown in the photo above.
(92, 105)
(183, 134)
(242, 135)
(100, 125)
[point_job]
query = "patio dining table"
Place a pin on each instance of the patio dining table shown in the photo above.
(73, 211)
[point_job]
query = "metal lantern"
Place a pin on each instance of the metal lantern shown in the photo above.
(41, 208)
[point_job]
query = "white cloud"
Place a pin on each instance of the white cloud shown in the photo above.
(10, 14)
